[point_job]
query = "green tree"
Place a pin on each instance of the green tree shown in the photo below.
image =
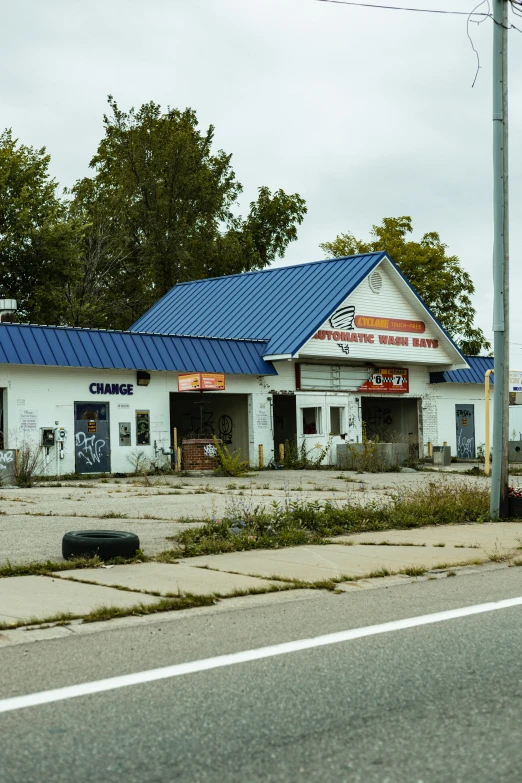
(37, 240)
(94, 293)
(168, 204)
(438, 278)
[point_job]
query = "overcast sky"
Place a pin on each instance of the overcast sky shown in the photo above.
(366, 113)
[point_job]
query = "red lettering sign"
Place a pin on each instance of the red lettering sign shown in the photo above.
(386, 380)
(384, 339)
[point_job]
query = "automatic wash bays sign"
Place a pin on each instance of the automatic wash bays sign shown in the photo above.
(387, 325)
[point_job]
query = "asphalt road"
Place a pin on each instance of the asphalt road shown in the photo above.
(430, 704)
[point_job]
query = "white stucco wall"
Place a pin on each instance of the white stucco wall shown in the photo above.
(446, 397)
(49, 394)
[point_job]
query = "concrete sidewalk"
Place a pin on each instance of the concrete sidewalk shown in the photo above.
(348, 560)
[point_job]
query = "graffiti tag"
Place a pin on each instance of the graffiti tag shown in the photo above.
(465, 446)
(88, 448)
(225, 425)
(6, 458)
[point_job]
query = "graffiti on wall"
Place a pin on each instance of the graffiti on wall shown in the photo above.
(225, 426)
(465, 446)
(7, 465)
(6, 458)
(208, 427)
(379, 420)
(465, 423)
(208, 424)
(89, 448)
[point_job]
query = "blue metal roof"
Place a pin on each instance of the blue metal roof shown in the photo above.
(56, 346)
(283, 306)
(477, 369)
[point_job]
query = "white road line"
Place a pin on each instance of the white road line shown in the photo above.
(177, 670)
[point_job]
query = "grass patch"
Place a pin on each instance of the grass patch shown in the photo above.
(104, 613)
(113, 515)
(49, 566)
(293, 522)
(414, 571)
(499, 556)
(387, 543)
(377, 574)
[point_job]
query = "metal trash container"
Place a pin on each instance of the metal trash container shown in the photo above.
(442, 455)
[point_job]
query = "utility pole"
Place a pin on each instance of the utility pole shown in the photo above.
(499, 473)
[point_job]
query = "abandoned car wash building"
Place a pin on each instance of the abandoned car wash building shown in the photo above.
(352, 344)
(316, 352)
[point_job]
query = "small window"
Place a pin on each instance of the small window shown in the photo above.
(336, 421)
(311, 421)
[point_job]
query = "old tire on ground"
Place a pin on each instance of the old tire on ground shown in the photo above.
(104, 543)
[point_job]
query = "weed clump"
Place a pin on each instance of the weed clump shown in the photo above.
(296, 521)
(298, 457)
(230, 462)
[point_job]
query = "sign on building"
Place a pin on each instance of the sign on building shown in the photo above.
(515, 380)
(28, 420)
(387, 380)
(334, 377)
(201, 381)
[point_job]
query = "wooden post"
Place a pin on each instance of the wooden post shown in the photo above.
(175, 447)
(430, 449)
(178, 462)
(261, 459)
(281, 452)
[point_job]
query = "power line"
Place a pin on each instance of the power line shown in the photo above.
(511, 26)
(403, 8)
(472, 21)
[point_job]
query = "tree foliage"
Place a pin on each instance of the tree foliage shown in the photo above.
(438, 278)
(37, 238)
(162, 209)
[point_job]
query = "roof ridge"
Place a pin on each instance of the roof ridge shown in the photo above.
(279, 268)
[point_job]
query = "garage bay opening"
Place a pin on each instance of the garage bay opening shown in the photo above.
(392, 420)
(207, 414)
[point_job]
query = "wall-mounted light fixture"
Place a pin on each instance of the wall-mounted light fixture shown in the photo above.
(142, 378)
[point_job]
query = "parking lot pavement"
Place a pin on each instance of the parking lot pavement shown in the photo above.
(33, 521)
(27, 539)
